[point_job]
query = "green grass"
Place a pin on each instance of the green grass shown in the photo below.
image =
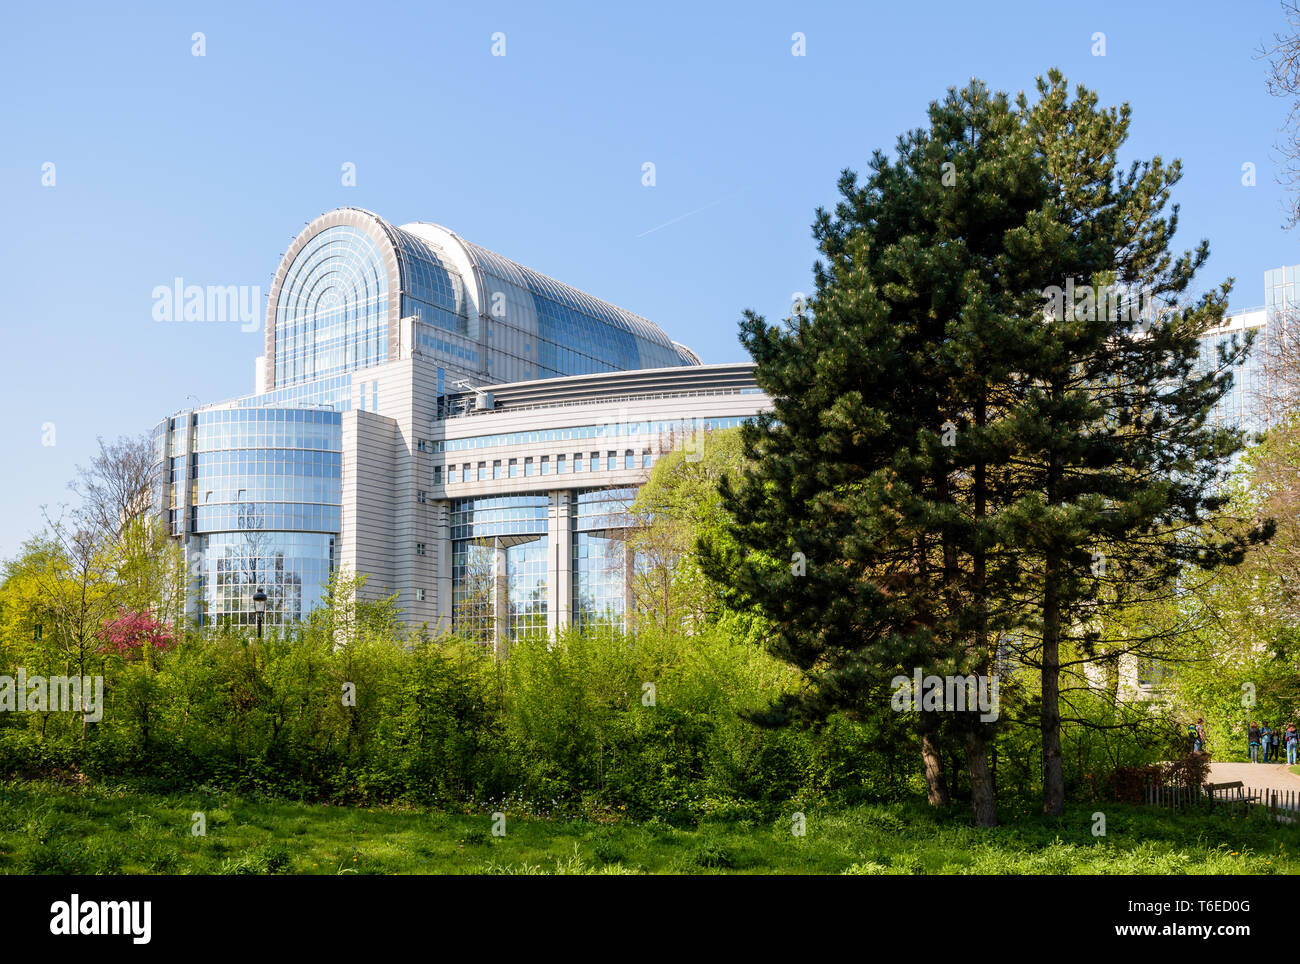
(56, 829)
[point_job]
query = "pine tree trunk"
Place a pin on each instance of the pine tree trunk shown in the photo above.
(983, 789)
(983, 804)
(936, 783)
(1050, 717)
(936, 786)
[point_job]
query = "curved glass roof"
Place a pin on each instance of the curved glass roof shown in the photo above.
(431, 288)
(564, 314)
(331, 313)
(557, 291)
(335, 306)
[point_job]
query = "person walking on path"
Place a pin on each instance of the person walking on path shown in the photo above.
(1292, 738)
(1275, 745)
(1199, 744)
(1265, 738)
(1254, 742)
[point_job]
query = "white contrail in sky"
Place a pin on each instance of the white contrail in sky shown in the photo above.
(683, 217)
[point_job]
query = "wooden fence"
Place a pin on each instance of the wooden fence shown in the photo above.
(1233, 798)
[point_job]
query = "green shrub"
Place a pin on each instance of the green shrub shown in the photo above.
(66, 854)
(559, 727)
(712, 854)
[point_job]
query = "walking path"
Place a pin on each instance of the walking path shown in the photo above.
(1255, 776)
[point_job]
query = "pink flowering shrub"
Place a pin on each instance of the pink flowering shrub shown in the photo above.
(130, 631)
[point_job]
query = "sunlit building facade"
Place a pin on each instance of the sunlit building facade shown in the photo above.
(1244, 403)
(463, 430)
(539, 482)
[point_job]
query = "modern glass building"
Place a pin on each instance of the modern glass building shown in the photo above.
(1243, 404)
(602, 565)
(350, 282)
(256, 494)
(465, 431)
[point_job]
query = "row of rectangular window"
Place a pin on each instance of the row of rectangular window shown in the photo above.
(671, 427)
(512, 469)
(447, 348)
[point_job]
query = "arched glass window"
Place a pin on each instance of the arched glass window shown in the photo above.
(332, 311)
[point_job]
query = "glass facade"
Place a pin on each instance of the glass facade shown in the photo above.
(290, 567)
(473, 578)
(1280, 287)
(499, 546)
(431, 291)
(678, 428)
(1239, 404)
(1243, 405)
(333, 392)
(158, 482)
(600, 564)
(526, 583)
(254, 488)
(577, 334)
(334, 312)
(265, 509)
(331, 315)
(488, 517)
(427, 339)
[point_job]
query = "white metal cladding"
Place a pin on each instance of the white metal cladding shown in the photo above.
(459, 285)
(654, 346)
(522, 287)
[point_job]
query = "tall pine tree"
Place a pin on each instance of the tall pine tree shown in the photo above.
(945, 458)
(1119, 468)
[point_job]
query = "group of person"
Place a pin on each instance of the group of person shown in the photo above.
(1265, 742)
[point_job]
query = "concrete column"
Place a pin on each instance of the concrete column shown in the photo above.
(194, 607)
(440, 547)
(559, 567)
(500, 599)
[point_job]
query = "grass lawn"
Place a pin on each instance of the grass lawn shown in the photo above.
(46, 828)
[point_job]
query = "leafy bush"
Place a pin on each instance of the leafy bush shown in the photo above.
(712, 854)
(597, 723)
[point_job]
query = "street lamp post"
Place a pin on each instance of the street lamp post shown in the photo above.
(259, 607)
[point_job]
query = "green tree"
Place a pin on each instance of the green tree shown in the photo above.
(680, 505)
(67, 576)
(350, 612)
(946, 451)
(1243, 660)
(1117, 474)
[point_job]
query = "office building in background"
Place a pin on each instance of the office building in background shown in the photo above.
(461, 429)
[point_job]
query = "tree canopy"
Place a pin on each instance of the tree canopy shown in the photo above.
(993, 390)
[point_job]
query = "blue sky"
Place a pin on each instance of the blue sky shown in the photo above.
(170, 165)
